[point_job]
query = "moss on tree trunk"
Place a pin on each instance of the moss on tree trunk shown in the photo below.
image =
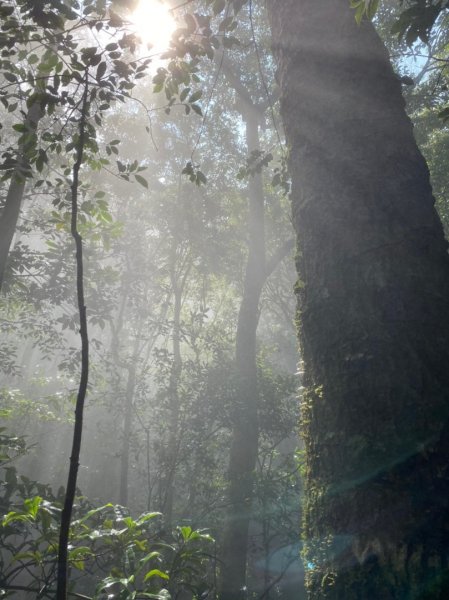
(373, 313)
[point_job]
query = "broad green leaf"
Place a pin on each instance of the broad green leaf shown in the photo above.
(141, 180)
(195, 96)
(146, 517)
(156, 573)
(149, 556)
(32, 506)
(101, 70)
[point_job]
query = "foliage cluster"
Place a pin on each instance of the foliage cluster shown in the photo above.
(110, 552)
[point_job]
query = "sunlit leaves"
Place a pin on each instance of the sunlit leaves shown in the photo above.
(125, 555)
(155, 573)
(54, 80)
(364, 7)
(175, 81)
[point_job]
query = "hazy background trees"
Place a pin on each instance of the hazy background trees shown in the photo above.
(168, 268)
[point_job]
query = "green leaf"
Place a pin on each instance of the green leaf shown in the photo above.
(201, 178)
(32, 506)
(149, 556)
(155, 573)
(186, 532)
(129, 522)
(13, 516)
(92, 512)
(195, 96)
(101, 70)
(146, 517)
(373, 5)
(10, 77)
(185, 92)
(197, 109)
(141, 180)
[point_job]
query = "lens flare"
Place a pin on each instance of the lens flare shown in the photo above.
(154, 23)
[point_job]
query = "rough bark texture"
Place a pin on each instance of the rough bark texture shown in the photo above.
(373, 314)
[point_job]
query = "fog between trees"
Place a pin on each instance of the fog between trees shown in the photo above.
(193, 478)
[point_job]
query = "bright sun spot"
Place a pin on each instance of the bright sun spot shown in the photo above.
(154, 23)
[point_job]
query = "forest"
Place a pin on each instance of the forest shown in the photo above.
(224, 299)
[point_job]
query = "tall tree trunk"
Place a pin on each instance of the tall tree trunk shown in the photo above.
(245, 429)
(11, 209)
(373, 313)
(174, 405)
(127, 424)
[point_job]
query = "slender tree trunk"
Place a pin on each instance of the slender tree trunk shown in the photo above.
(66, 515)
(11, 209)
(245, 429)
(373, 314)
(127, 425)
(245, 426)
(174, 404)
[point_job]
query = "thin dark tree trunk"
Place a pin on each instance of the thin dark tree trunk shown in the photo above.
(373, 314)
(62, 575)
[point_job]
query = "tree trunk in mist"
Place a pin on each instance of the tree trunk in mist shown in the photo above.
(245, 429)
(174, 406)
(11, 209)
(127, 425)
(373, 314)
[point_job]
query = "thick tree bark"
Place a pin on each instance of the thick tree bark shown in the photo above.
(373, 313)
